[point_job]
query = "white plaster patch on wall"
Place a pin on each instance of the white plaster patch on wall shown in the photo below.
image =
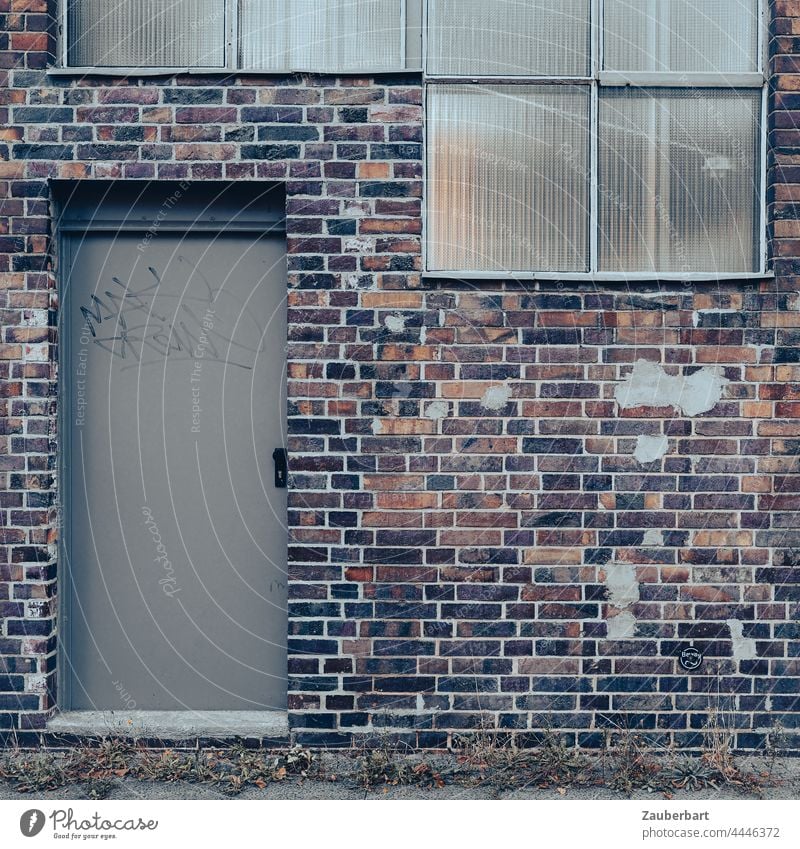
(496, 397)
(30, 645)
(697, 315)
(36, 684)
(652, 536)
(701, 391)
(743, 647)
(650, 448)
(356, 208)
(648, 385)
(37, 353)
(395, 323)
(377, 426)
(623, 588)
(37, 609)
(437, 410)
(622, 626)
(357, 246)
(34, 318)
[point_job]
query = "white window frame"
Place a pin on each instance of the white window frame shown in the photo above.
(600, 79)
(411, 28)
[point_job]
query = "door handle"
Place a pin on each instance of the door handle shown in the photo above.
(281, 467)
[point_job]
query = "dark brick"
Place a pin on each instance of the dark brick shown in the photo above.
(270, 151)
(42, 151)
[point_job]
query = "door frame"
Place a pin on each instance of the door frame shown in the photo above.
(67, 230)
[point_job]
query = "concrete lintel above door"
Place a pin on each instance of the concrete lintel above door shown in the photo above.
(159, 206)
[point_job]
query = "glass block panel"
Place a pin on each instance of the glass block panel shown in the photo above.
(679, 180)
(334, 36)
(509, 38)
(146, 33)
(691, 36)
(508, 177)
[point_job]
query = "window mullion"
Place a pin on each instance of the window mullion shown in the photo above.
(762, 161)
(232, 34)
(594, 135)
(671, 79)
(594, 200)
(404, 32)
(63, 34)
(597, 37)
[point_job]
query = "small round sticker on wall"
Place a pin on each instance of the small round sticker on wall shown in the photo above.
(690, 658)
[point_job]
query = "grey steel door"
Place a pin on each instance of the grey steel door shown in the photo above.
(175, 537)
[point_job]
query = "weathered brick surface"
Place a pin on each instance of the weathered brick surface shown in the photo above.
(464, 492)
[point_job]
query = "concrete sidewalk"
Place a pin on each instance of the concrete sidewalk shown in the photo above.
(783, 784)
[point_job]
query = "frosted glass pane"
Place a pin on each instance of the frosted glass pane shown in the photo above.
(509, 37)
(693, 36)
(678, 180)
(337, 35)
(146, 33)
(508, 177)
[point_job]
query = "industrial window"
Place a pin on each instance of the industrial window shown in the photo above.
(595, 137)
(307, 34)
(583, 137)
(338, 36)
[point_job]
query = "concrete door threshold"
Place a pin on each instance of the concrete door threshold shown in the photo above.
(172, 724)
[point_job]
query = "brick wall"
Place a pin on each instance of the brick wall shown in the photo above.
(490, 519)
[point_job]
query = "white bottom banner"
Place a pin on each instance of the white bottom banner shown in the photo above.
(395, 823)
